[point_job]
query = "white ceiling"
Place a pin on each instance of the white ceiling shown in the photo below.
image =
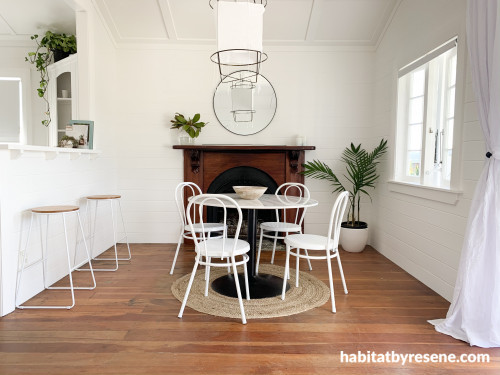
(286, 22)
(20, 19)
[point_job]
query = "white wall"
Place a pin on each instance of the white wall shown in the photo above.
(325, 95)
(30, 179)
(422, 236)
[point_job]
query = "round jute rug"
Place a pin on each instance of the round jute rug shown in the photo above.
(311, 293)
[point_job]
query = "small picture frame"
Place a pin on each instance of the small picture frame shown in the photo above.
(82, 131)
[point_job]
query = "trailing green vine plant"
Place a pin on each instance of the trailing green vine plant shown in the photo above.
(44, 56)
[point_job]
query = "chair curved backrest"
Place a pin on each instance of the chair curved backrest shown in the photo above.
(198, 203)
(292, 192)
(338, 211)
(182, 191)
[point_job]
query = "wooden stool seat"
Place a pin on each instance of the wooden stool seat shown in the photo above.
(108, 196)
(54, 209)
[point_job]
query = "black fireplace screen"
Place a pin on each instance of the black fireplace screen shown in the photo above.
(240, 176)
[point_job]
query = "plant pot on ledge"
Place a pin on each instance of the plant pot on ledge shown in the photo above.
(59, 55)
(353, 239)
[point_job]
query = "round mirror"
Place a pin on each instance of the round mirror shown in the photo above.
(244, 103)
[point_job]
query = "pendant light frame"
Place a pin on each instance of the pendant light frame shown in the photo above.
(226, 70)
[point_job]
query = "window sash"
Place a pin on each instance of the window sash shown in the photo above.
(428, 57)
(430, 173)
(12, 114)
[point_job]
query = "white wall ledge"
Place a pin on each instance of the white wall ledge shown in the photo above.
(16, 150)
(443, 195)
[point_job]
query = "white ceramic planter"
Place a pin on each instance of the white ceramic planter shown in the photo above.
(353, 239)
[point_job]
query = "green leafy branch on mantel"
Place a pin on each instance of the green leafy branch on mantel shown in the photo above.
(191, 126)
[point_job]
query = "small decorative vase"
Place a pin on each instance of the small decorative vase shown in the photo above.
(184, 139)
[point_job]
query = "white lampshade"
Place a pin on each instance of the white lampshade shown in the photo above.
(239, 31)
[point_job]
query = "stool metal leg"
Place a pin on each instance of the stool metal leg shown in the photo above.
(90, 225)
(116, 259)
(114, 231)
(86, 250)
(91, 236)
(114, 241)
(125, 231)
(89, 258)
(69, 260)
(80, 227)
(44, 249)
(69, 268)
(24, 262)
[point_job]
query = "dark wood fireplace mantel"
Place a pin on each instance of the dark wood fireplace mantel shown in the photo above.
(203, 163)
(257, 148)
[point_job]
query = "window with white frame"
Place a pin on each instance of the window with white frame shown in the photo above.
(425, 118)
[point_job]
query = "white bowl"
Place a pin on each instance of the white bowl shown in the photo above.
(250, 192)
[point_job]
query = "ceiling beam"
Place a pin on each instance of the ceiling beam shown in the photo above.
(11, 30)
(314, 17)
(168, 21)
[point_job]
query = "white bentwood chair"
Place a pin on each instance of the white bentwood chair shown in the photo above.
(316, 243)
(291, 192)
(188, 189)
(209, 249)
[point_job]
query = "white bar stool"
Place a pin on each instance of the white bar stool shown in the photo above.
(49, 211)
(106, 198)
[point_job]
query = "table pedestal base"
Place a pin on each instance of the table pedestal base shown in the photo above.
(261, 286)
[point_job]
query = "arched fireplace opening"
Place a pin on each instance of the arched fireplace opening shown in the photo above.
(240, 176)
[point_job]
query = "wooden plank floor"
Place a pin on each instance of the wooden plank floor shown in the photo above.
(129, 325)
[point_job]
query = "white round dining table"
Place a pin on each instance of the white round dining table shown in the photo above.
(261, 285)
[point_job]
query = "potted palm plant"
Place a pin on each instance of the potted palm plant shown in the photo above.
(361, 168)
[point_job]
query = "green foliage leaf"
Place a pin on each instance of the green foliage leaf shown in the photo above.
(191, 126)
(180, 118)
(360, 173)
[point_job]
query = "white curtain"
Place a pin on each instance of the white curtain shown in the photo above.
(474, 315)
